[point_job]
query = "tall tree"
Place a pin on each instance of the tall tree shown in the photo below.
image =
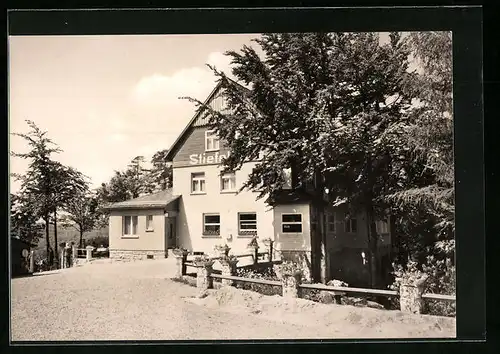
(323, 105)
(430, 137)
(160, 175)
(361, 149)
(68, 183)
(116, 190)
(82, 213)
(136, 177)
(37, 182)
(48, 184)
(24, 220)
(130, 183)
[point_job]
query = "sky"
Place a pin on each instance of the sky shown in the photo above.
(107, 99)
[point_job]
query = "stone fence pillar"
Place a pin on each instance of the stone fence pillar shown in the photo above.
(180, 261)
(62, 257)
(410, 296)
(269, 244)
(203, 279)
(255, 255)
(180, 268)
(89, 250)
(228, 268)
(291, 282)
(74, 255)
(32, 261)
(254, 246)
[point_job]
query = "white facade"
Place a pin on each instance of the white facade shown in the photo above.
(214, 201)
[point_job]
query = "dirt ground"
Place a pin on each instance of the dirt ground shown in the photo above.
(138, 301)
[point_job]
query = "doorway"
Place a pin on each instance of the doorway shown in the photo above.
(170, 235)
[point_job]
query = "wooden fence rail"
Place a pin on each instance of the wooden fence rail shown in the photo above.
(190, 263)
(291, 286)
(440, 297)
(342, 289)
(259, 254)
(247, 280)
(81, 253)
(411, 297)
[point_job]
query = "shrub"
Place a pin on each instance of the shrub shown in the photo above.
(321, 295)
(440, 276)
(98, 241)
(442, 280)
(202, 260)
(263, 289)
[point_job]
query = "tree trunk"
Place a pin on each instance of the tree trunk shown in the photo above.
(47, 238)
(372, 245)
(322, 239)
(81, 238)
(318, 237)
(371, 227)
(56, 245)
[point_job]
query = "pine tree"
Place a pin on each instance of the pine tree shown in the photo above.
(160, 175)
(136, 177)
(430, 137)
(23, 219)
(47, 184)
(36, 184)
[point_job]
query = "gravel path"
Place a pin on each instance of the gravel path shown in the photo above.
(135, 301)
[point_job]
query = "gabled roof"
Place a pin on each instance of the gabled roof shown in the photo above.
(151, 201)
(183, 135)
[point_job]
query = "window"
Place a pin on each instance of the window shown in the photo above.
(228, 182)
(211, 141)
(330, 222)
(351, 225)
(382, 226)
(211, 224)
(198, 182)
(129, 225)
(149, 223)
(291, 223)
(247, 223)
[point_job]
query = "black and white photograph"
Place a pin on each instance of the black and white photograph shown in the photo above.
(255, 186)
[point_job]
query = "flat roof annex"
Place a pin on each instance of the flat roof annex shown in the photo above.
(151, 201)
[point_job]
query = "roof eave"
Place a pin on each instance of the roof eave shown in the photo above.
(137, 206)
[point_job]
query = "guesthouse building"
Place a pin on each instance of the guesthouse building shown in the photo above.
(203, 209)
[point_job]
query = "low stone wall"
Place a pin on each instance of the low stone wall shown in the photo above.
(128, 255)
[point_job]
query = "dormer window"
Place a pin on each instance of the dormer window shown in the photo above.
(211, 141)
